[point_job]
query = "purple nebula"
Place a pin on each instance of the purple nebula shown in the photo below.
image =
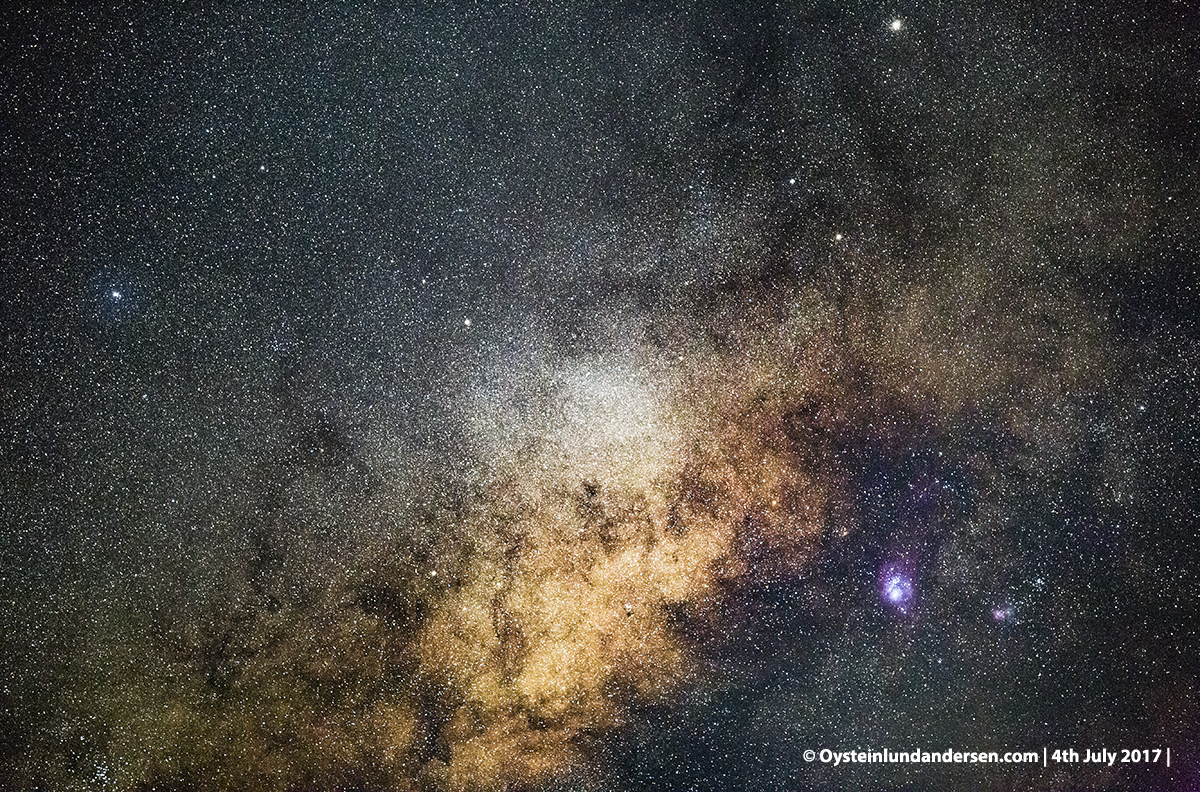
(896, 587)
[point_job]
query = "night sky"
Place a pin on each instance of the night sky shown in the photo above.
(598, 396)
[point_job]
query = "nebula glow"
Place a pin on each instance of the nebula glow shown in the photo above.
(897, 589)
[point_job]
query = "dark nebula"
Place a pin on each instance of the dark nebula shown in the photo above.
(552, 396)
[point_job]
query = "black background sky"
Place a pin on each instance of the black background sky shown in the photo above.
(549, 395)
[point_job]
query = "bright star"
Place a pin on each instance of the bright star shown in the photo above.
(116, 295)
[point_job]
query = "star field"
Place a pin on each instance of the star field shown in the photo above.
(587, 396)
